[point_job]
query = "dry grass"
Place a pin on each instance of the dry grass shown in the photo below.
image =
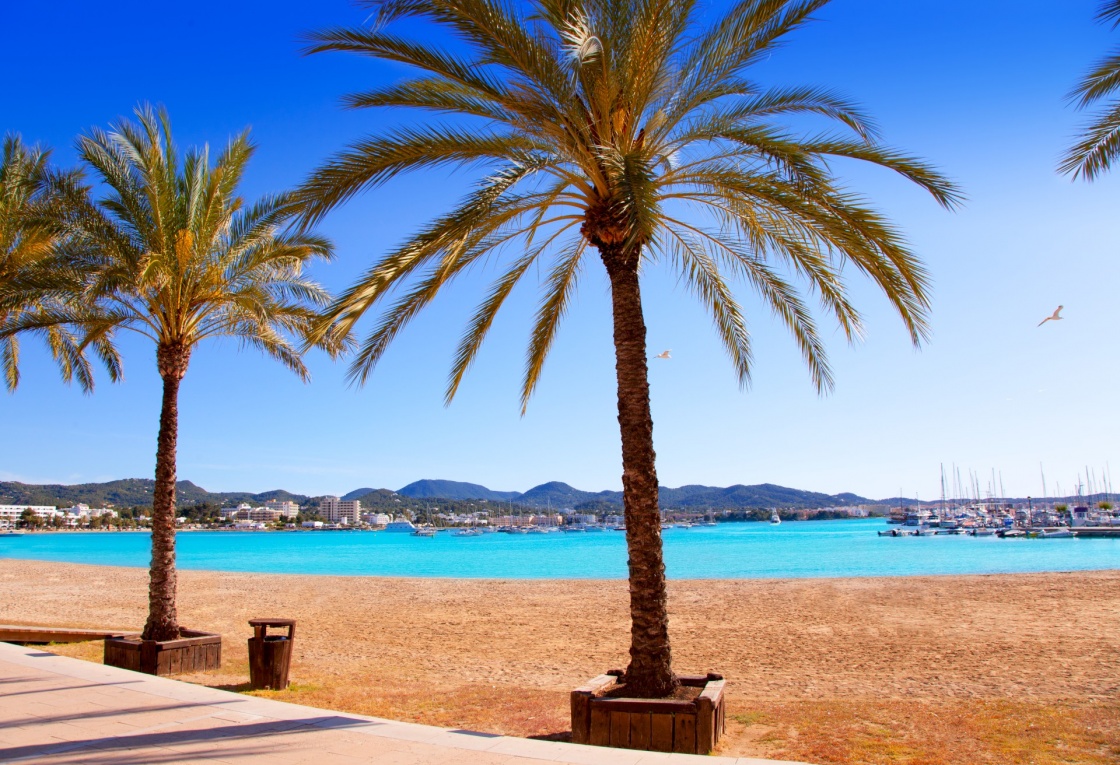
(926, 671)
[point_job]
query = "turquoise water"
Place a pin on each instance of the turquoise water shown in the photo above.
(728, 551)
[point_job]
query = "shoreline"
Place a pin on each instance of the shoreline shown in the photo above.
(391, 577)
(581, 580)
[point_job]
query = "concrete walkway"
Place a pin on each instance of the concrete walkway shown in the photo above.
(57, 710)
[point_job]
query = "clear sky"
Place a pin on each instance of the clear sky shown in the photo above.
(975, 88)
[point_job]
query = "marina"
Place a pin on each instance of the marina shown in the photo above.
(759, 550)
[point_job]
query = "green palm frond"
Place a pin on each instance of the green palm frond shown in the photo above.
(1098, 144)
(33, 221)
(638, 123)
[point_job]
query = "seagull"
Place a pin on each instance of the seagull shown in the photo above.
(664, 354)
(1054, 317)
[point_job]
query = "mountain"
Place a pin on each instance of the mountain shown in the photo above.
(759, 495)
(561, 495)
(128, 492)
(357, 494)
(137, 492)
(437, 489)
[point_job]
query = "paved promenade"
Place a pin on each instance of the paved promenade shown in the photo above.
(60, 711)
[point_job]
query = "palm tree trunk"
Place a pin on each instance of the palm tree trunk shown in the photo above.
(650, 674)
(163, 618)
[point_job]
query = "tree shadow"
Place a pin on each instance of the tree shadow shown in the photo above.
(564, 736)
(234, 687)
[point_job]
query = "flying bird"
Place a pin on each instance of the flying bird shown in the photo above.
(1053, 317)
(664, 354)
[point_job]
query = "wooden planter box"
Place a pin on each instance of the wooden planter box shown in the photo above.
(193, 652)
(655, 725)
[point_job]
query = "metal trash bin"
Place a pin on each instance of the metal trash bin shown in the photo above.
(270, 656)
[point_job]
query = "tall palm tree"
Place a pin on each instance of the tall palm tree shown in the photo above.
(30, 229)
(628, 128)
(1099, 143)
(172, 253)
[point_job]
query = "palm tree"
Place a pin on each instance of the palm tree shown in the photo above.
(172, 253)
(30, 228)
(627, 127)
(1099, 143)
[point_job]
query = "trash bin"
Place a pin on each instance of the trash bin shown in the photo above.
(270, 656)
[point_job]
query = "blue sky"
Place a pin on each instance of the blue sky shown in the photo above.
(975, 88)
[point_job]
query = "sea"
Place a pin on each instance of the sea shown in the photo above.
(746, 550)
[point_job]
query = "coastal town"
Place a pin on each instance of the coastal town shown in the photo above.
(333, 513)
(1060, 518)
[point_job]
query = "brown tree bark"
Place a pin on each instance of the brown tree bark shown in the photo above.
(650, 674)
(163, 618)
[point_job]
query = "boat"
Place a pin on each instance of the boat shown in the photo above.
(1056, 534)
(896, 533)
(11, 532)
(468, 533)
(775, 518)
(983, 531)
(1012, 533)
(424, 532)
(925, 531)
(400, 526)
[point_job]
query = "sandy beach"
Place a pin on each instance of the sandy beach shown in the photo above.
(1001, 669)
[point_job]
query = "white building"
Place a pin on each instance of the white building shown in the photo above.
(286, 508)
(239, 513)
(377, 519)
(338, 510)
(10, 514)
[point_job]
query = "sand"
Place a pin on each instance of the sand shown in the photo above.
(1005, 668)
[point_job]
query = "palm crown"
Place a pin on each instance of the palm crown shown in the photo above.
(602, 123)
(173, 253)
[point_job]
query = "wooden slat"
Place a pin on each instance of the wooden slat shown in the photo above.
(595, 684)
(713, 690)
(620, 729)
(13, 633)
(656, 706)
(640, 731)
(581, 717)
(692, 681)
(705, 725)
(684, 733)
(600, 726)
(661, 733)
